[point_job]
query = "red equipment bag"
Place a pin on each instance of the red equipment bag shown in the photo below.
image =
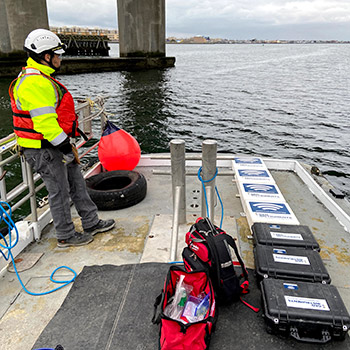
(208, 248)
(187, 314)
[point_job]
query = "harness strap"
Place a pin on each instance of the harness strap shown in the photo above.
(82, 133)
(26, 130)
(22, 115)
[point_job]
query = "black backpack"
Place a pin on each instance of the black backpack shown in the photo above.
(208, 248)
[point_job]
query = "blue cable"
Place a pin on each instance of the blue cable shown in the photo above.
(6, 217)
(205, 193)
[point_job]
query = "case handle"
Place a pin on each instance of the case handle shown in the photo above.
(326, 337)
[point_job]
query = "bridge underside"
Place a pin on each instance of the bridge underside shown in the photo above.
(141, 25)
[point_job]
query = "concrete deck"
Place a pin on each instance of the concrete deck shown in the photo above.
(142, 234)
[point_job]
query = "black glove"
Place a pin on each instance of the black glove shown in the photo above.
(65, 146)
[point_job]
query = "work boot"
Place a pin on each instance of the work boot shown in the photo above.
(101, 226)
(76, 240)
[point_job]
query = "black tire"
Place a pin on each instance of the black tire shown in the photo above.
(116, 189)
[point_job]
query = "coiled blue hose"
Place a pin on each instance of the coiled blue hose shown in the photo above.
(205, 193)
(8, 245)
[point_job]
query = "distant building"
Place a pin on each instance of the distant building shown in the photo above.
(112, 34)
(199, 39)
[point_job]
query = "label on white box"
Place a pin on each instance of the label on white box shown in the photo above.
(260, 191)
(254, 175)
(269, 208)
(248, 162)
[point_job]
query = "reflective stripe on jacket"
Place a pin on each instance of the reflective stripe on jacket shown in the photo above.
(42, 107)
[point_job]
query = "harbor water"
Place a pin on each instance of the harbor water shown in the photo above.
(282, 101)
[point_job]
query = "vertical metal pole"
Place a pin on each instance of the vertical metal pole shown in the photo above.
(87, 123)
(103, 115)
(209, 151)
(178, 172)
(3, 192)
(175, 229)
(33, 206)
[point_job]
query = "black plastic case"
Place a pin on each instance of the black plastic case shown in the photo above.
(284, 236)
(309, 312)
(290, 263)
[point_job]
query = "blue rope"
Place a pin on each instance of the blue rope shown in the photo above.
(205, 193)
(6, 217)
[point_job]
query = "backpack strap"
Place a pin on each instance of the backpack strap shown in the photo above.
(232, 243)
(212, 248)
(255, 309)
(214, 255)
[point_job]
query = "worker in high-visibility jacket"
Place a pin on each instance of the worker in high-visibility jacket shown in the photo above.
(44, 119)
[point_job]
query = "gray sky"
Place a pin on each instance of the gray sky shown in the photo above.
(230, 19)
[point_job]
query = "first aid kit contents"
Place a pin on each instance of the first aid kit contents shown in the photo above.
(186, 307)
(188, 310)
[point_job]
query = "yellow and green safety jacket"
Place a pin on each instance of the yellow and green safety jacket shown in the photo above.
(43, 109)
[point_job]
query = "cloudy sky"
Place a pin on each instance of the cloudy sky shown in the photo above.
(231, 19)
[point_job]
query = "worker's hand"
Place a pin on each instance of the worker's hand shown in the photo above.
(67, 149)
(65, 146)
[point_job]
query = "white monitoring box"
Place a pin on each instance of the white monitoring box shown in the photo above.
(269, 212)
(254, 175)
(248, 163)
(260, 191)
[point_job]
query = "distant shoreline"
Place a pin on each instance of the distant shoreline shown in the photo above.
(273, 42)
(270, 42)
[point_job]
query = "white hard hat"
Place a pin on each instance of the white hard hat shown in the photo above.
(40, 40)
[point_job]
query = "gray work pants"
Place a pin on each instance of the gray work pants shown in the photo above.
(63, 182)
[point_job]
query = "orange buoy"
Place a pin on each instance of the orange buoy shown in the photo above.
(117, 149)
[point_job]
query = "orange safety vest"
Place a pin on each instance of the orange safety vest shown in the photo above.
(66, 116)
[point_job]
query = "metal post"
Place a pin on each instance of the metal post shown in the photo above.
(87, 122)
(3, 192)
(33, 206)
(178, 172)
(175, 229)
(209, 151)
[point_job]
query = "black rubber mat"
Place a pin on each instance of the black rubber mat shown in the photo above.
(111, 307)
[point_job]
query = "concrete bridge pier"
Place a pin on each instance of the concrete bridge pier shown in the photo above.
(141, 28)
(17, 19)
(141, 35)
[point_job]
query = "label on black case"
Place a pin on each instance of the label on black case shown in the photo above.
(282, 235)
(291, 259)
(306, 303)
